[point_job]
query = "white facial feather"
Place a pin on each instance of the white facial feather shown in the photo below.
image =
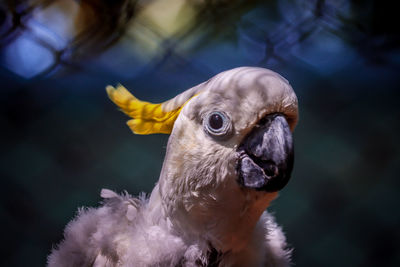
(198, 183)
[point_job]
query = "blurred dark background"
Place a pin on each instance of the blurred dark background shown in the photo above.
(62, 140)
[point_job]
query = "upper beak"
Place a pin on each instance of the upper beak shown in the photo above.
(266, 155)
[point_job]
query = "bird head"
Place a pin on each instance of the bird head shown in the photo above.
(230, 151)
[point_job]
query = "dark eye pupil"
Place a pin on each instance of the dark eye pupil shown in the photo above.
(216, 121)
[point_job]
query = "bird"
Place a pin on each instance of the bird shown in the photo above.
(229, 153)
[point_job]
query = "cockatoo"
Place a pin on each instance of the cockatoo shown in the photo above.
(229, 152)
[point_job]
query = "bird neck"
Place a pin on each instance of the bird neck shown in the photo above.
(224, 218)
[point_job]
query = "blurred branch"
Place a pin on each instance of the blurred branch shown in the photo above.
(102, 23)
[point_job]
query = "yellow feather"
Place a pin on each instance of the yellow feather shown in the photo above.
(148, 118)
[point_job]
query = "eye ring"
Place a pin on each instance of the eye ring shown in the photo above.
(217, 124)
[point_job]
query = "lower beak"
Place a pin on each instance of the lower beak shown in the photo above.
(266, 155)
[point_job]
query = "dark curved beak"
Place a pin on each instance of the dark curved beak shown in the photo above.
(266, 155)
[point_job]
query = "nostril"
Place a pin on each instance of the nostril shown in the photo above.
(271, 170)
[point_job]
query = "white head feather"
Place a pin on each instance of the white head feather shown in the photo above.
(198, 182)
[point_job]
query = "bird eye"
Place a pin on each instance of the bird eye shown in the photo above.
(217, 124)
(216, 121)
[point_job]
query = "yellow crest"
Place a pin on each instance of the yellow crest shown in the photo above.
(148, 118)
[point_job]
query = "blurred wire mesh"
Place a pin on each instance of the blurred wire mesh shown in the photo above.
(63, 142)
(61, 34)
